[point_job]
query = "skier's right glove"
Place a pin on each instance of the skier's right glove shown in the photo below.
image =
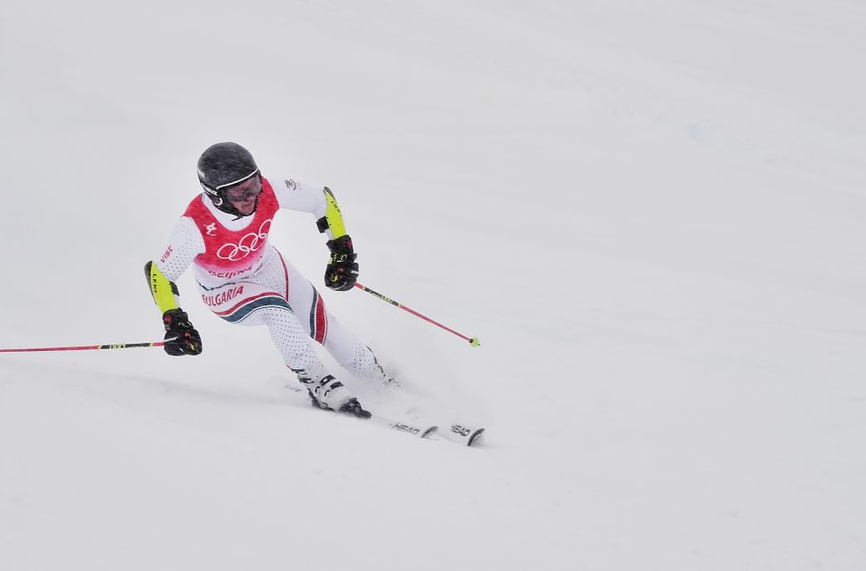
(181, 338)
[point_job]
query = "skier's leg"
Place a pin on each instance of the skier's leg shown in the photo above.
(248, 303)
(353, 355)
(252, 303)
(326, 330)
(300, 356)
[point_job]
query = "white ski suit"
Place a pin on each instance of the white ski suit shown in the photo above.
(244, 279)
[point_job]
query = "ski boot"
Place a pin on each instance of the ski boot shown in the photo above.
(327, 393)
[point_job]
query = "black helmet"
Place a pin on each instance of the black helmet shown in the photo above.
(222, 166)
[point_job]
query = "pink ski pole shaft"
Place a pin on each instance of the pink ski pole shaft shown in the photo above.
(84, 347)
(472, 340)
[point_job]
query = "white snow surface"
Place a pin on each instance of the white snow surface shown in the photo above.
(651, 213)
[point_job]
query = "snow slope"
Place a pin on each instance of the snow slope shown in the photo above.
(650, 212)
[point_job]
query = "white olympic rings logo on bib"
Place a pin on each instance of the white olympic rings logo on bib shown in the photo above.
(248, 244)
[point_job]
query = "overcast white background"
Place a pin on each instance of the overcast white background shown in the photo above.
(651, 213)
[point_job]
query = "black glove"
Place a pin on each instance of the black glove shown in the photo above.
(181, 338)
(342, 271)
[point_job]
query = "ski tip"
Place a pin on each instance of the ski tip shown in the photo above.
(462, 434)
(429, 432)
(475, 437)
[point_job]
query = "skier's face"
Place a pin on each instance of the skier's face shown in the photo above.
(244, 196)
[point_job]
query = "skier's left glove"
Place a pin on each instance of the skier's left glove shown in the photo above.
(181, 338)
(342, 271)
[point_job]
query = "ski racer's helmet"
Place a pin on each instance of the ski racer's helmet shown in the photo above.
(223, 167)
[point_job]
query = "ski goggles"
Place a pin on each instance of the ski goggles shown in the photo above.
(243, 190)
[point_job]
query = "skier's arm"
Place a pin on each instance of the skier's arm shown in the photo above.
(163, 290)
(342, 271)
(331, 220)
(185, 244)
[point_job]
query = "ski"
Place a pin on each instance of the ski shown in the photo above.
(421, 431)
(462, 434)
(457, 433)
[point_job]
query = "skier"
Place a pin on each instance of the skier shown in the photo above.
(243, 279)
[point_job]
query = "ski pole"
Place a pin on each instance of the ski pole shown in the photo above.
(472, 340)
(84, 347)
